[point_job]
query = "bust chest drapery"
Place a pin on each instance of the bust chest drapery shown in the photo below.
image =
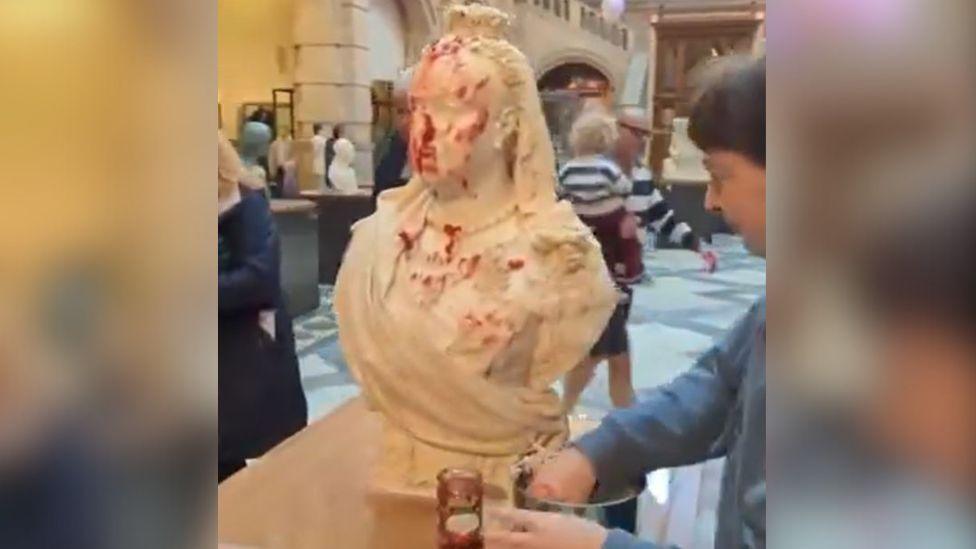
(458, 342)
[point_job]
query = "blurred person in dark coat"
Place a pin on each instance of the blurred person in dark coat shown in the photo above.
(393, 169)
(261, 401)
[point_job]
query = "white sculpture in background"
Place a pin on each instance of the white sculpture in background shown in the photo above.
(342, 174)
(471, 290)
(686, 161)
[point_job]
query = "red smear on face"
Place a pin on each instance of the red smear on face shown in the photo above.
(427, 280)
(461, 92)
(464, 182)
(423, 155)
(516, 264)
(482, 83)
(429, 132)
(490, 340)
(406, 240)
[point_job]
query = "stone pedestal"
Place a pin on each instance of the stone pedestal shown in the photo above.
(337, 213)
(298, 232)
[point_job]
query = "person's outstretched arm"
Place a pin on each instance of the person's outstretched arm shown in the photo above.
(681, 422)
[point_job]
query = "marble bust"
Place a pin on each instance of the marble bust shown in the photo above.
(471, 290)
(341, 171)
(686, 161)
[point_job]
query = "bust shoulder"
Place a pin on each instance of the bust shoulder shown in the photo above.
(570, 271)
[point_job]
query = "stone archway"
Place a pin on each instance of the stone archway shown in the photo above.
(570, 75)
(564, 90)
(571, 56)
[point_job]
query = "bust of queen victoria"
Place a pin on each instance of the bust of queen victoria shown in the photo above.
(471, 289)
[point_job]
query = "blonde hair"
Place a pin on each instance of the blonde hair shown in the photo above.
(594, 132)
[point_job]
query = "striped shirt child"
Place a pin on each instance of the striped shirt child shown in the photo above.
(598, 190)
(594, 185)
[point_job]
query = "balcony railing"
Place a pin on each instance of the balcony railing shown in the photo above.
(584, 17)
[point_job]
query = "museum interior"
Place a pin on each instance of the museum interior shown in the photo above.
(354, 119)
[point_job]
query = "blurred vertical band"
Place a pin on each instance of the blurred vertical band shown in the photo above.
(107, 239)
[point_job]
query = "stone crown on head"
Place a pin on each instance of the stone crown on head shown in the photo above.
(467, 19)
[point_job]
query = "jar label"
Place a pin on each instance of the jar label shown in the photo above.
(464, 523)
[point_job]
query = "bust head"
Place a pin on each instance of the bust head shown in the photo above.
(475, 111)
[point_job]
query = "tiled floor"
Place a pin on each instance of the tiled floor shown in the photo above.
(676, 316)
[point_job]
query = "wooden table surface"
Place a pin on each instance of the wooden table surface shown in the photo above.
(311, 492)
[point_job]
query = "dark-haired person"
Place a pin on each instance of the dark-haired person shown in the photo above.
(393, 169)
(718, 407)
(259, 390)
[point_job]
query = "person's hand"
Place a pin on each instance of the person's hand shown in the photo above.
(517, 529)
(569, 477)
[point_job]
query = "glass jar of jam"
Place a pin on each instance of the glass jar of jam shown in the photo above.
(460, 493)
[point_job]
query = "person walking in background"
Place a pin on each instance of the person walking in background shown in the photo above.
(654, 214)
(319, 145)
(393, 169)
(260, 396)
(279, 154)
(598, 190)
(646, 202)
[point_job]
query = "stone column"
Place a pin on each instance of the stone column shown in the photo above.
(332, 83)
(651, 63)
